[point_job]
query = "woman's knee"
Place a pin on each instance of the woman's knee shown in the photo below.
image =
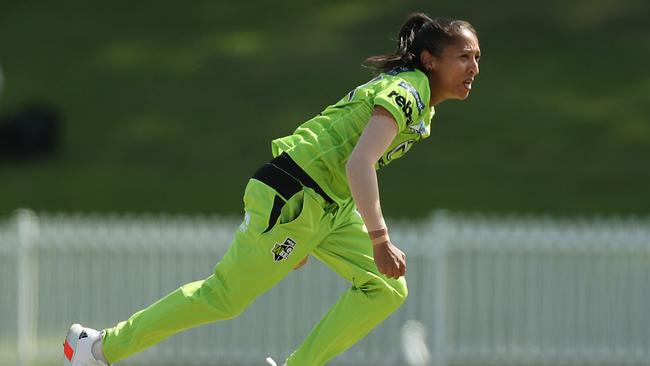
(223, 303)
(400, 288)
(386, 290)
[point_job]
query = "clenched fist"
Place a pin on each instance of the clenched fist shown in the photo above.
(390, 260)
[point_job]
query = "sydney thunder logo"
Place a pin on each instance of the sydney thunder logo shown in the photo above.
(282, 251)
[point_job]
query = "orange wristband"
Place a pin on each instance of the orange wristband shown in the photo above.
(378, 233)
(380, 242)
(379, 236)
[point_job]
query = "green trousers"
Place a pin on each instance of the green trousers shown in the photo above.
(261, 254)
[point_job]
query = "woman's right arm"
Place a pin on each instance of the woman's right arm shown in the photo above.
(362, 178)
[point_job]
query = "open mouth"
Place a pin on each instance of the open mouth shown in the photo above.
(468, 84)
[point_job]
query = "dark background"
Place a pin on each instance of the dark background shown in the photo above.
(160, 106)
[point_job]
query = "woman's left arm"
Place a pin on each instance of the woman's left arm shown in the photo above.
(379, 132)
(362, 178)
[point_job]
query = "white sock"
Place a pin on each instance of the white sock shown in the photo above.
(97, 350)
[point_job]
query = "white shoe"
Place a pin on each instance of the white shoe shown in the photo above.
(270, 362)
(78, 344)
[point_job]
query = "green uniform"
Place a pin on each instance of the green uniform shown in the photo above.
(322, 145)
(263, 252)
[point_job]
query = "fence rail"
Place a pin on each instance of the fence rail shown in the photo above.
(488, 290)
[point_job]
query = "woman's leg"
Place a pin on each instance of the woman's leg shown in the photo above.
(257, 259)
(372, 297)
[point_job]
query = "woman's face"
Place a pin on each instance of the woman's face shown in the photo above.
(453, 72)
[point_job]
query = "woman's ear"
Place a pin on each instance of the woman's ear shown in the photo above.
(427, 60)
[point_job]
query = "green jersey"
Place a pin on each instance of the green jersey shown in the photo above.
(323, 144)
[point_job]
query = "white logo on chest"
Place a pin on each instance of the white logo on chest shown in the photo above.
(421, 129)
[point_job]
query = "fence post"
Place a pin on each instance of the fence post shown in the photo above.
(28, 232)
(441, 234)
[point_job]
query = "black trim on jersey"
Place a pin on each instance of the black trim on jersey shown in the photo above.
(286, 178)
(278, 203)
(284, 184)
(284, 163)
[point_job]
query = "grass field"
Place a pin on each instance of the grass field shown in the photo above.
(171, 108)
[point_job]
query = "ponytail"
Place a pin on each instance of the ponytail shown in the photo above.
(407, 38)
(418, 33)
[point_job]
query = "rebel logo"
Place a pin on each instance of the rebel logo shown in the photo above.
(406, 106)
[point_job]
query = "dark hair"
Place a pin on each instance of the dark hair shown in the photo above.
(419, 33)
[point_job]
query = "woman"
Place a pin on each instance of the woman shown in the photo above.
(319, 196)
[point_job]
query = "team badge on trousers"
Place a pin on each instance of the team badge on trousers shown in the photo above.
(282, 251)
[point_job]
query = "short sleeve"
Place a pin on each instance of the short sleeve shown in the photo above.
(402, 101)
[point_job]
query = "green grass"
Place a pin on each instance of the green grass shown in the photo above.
(171, 107)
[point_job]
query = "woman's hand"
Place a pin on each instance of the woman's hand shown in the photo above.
(390, 260)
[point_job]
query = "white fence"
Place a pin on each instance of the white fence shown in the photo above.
(490, 291)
